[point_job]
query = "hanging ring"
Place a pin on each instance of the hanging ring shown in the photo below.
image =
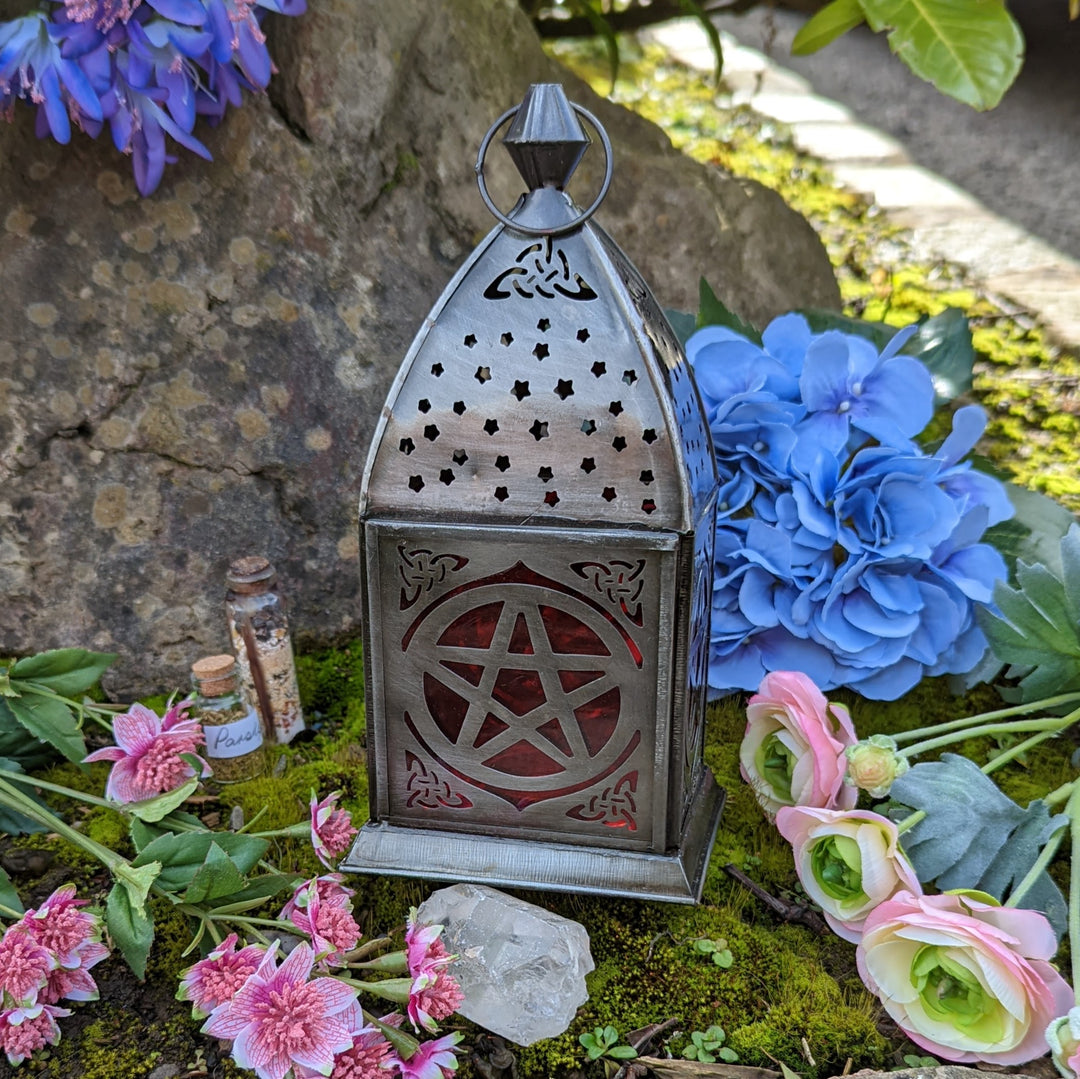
(555, 230)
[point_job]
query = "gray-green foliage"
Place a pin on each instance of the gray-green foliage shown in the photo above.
(1038, 629)
(974, 836)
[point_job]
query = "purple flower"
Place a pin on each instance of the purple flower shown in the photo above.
(32, 67)
(282, 1017)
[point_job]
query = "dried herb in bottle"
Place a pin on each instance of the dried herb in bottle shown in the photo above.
(233, 730)
(260, 635)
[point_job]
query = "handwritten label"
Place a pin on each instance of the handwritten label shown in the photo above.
(234, 739)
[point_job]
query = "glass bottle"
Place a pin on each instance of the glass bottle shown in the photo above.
(260, 636)
(233, 731)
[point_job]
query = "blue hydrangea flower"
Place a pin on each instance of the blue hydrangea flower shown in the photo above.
(147, 68)
(843, 550)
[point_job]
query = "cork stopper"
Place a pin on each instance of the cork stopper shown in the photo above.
(251, 574)
(215, 675)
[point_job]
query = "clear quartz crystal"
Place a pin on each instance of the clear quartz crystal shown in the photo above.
(522, 968)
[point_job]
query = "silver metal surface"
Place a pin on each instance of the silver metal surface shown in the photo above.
(536, 527)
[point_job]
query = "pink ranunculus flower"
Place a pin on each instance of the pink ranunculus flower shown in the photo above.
(215, 980)
(148, 752)
(849, 861)
(282, 1017)
(24, 967)
(23, 1031)
(966, 980)
(432, 1060)
(793, 750)
(1063, 1037)
(331, 828)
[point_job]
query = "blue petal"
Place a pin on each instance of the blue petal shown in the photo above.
(188, 12)
(254, 58)
(78, 85)
(787, 338)
(221, 27)
(54, 106)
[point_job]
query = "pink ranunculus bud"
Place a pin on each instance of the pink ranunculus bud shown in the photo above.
(964, 979)
(1063, 1037)
(849, 861)
(874, 764)
(793, 750)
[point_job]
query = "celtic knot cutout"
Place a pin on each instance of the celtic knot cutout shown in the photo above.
(614, 806)
(428, 790)
(540, 270)
(620, 581)
(421, 570)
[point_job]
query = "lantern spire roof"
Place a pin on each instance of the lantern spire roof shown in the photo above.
(546, 140)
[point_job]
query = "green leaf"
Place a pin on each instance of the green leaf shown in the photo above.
(255, 892)
(969, 49)
(683, 323)
(693, 8)
(8, 896)
(826, 25)
(788, 1073)
(1034, 532)
(1038, 629)
(728, 1055)
(137, 880)
(153, 809)
(943, 343)
(216, 877)
(622, 1052)
(49, 720)
(11, 820)
(711, 312)
(132, 929)
(14, 744)
(181, 856)
(67, 671)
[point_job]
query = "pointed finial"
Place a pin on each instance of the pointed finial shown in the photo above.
(546, 140)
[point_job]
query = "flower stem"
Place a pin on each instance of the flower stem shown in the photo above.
(9, 912)
(1062, 794)
(394, 989)
(1073, 810)
(82, 709)
(984, 717)
(32, 781)
(910, 821)
(1049, 725)
(404, 1043)
(1017, 750)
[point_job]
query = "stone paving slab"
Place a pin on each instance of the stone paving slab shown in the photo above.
(945, 222)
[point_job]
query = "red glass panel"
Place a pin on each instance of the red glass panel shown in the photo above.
(553, 732)
(446, 707)
(572, 680)
(491, 727)
(520, 691)
(520, 641)
(471, 672)
(598, 719)
(524, 759)
(570, 636)
(473, 629)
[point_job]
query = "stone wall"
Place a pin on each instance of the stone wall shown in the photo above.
(195, 376)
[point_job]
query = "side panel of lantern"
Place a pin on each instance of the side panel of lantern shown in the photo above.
(521, 683)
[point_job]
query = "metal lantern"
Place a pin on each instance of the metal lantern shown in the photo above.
(536, 525)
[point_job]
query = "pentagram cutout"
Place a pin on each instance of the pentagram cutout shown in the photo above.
(523, 693)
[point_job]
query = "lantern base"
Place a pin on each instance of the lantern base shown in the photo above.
(675, 877)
